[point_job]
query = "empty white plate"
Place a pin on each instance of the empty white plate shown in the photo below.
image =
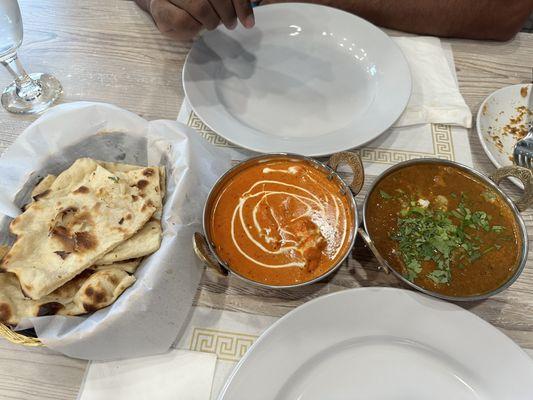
(307, 79)
(381, 344)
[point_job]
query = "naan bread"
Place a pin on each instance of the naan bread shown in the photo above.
(118, 167)
(87, 212)
(144, 242)
(87, 292)
(3, 251)
(129, 266)
(43, 187)
(100, 290)
(148, 239)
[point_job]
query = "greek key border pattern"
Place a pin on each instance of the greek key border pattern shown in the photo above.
(228, 346)
(441, 134)
(206, 132)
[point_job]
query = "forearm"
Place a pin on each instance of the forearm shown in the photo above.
(474, 19)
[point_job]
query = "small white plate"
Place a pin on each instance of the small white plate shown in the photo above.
(381, 343)
(494, 114)
(307, 79)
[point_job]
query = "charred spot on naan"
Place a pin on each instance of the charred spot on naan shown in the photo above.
(95, 294)
(73, 242)
(81, 190)
(49, 308)
(103, 288)
(141, 184)
(148, 172)
(41, 195)
(146, 205)
(63, 254)
(6, 313)
(96, 297)
(69, 227)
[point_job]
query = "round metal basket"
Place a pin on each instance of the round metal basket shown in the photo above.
(18, 338)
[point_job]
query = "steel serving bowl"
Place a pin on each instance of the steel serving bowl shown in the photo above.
(523, 174)
(204, 247)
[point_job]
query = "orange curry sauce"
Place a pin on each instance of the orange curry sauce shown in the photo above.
(281, 222)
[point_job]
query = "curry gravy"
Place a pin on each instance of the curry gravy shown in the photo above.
(497, 251)
(281, 222)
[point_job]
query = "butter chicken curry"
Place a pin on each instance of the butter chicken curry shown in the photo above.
(444, 229)
(281, 222)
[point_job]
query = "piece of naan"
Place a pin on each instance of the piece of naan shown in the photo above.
(129, 266)
(144, 242)
(87, 212)
(100, 290)
(87, 292)
(42, 187)
(148, 239)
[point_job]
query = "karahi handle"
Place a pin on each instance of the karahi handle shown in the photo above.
(201, 248)
(525, 176)
(353, 160)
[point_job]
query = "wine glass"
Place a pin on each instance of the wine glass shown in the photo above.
(29, 93)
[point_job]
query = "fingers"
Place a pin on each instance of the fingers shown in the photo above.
(184, 19)
(200, 10)
(173, 21)
(226, 12)
(243, 9)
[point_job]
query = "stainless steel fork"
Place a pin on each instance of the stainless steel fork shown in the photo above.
(523, 150)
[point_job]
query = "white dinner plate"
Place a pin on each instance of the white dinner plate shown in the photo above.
(306, 79)
(497, 111)
(381, 344)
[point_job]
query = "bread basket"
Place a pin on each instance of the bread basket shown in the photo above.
(17, 338)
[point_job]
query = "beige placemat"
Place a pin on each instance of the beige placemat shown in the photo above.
(227, 334)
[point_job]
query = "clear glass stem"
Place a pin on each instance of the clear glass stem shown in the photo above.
(27, 88)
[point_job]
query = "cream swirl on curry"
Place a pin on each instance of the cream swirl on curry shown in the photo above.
(281, 222)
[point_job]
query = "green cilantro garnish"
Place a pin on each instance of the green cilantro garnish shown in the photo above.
(440, 236)
(385, 195)
(488, 196)
(114, 178)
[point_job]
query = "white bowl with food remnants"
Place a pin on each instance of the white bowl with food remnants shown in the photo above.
(307, 79)
(502, 121)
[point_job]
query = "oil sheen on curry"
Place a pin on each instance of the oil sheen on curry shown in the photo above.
(281, 222)
(444, 230)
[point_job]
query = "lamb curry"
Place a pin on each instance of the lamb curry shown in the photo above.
(444, 229)
(281, 222)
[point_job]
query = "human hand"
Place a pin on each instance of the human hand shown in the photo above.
(184, 19)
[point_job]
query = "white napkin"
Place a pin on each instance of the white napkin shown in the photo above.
(435, 97)
(177, 374)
